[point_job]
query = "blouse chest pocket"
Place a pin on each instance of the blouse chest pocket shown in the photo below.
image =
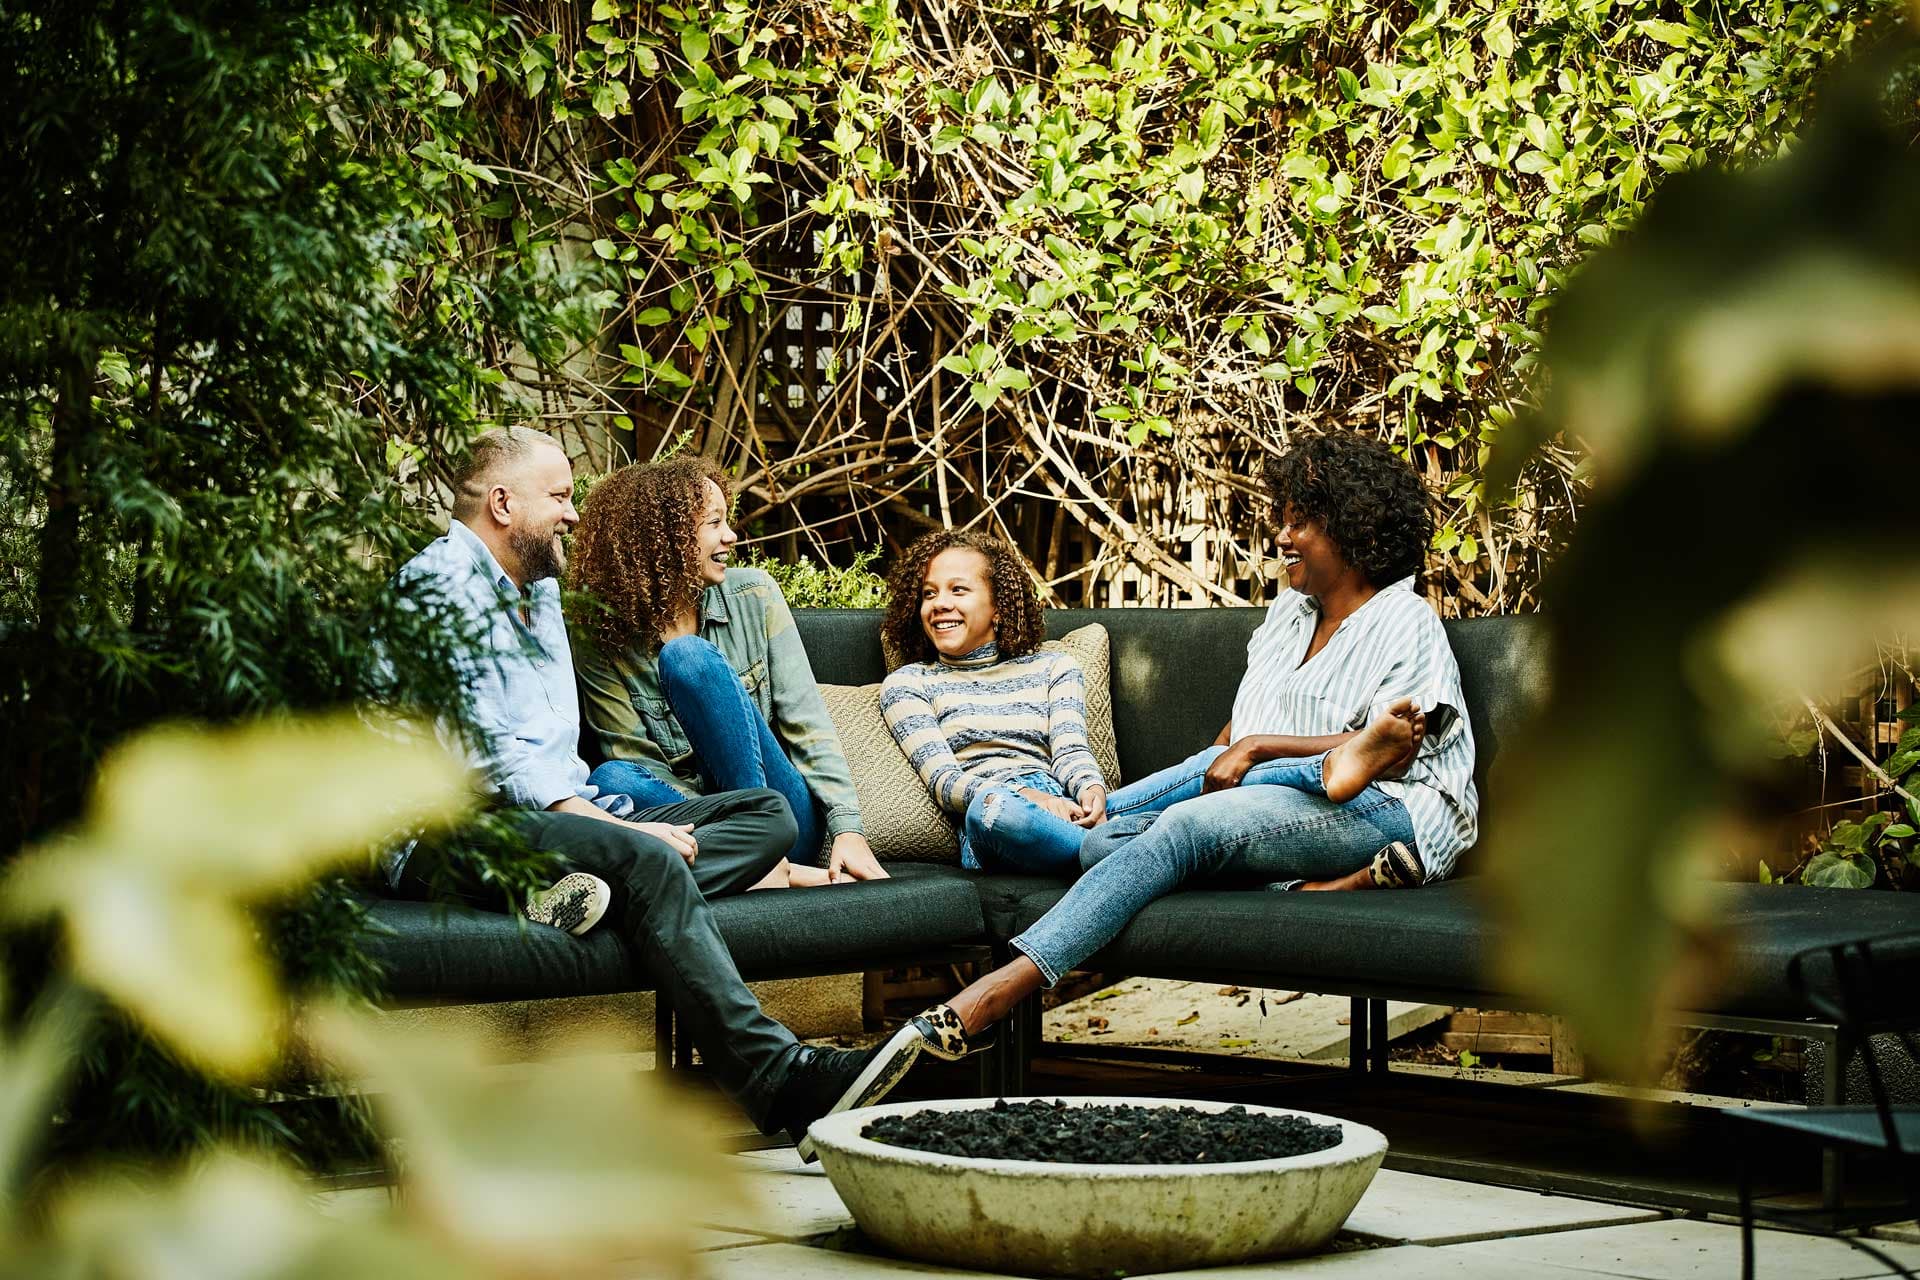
(754, 678)
(662, 728)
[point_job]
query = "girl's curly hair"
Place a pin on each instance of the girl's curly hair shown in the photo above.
(635, 551)
(1020, 629)
(1368, 500)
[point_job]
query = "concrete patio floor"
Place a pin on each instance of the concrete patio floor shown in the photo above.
(1407, 1227)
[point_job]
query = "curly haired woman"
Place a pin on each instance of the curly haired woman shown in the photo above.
(694, 676)
(1346, 765)
(995, 725)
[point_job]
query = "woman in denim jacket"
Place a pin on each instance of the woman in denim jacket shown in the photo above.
(692, 673)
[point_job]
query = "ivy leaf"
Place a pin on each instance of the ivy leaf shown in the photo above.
(695, 44)
(1839, 871)
(1675, 34)
(1498, 37)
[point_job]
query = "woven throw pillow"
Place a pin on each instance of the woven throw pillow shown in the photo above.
(901, 820)
(1091, 648)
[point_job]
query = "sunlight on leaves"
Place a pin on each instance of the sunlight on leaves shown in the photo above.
(1734, 368)
(1808, 635)
(227, 1219)
(33, 1065)
(292, 797)
(187, 829)
(553, 1165)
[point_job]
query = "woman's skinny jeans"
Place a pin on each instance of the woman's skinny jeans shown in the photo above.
(732, 743)
(1277, 825)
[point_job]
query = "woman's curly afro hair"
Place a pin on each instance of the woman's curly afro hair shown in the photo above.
(635, 551)
(1020, 629)
(1368, 500)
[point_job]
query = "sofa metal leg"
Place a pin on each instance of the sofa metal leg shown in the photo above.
(1357, 1035)
(662, 1032)
(1833, 1172)
(1022, 1033)
(1377, 1037)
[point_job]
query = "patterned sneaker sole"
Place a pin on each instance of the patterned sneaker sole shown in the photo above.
(575, 903)
(876, 1080)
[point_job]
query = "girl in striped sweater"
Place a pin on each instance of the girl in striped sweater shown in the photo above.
(995, 725)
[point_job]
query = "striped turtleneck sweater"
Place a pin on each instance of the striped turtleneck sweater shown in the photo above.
(971, 721)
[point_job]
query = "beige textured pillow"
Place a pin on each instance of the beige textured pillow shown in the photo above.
(901, 820)
(1091, 648)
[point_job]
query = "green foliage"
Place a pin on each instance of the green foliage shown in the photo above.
(612, 1174)
(1876, 849)
(1689, 360)
(807, 585)
(1265, 211)
(235, 321)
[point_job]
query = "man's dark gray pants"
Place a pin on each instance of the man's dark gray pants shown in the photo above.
(660, 908)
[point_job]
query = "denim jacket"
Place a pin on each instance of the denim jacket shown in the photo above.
(747, 619)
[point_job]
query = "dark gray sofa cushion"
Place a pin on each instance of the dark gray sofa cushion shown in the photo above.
(998, 894)
(1432, 941)
(441, 953)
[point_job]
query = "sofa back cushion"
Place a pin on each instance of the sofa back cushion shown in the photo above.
(1174, 672)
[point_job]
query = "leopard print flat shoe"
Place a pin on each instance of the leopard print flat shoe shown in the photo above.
(945, 1036)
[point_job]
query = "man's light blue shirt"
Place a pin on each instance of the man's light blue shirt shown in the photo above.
(519, 674)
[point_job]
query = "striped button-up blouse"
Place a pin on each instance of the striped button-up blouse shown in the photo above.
(1391, 647)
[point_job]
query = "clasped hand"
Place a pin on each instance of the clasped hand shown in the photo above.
(1089, 811)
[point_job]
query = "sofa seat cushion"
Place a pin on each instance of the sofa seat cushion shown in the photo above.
(435, 953)
(1431, 937)
(999, 894)
(1433, 942)
(1767, 924)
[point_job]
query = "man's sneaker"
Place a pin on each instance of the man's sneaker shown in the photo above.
(824, 1082)
(574, 903)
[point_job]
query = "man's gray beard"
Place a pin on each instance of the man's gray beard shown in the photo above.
(539, 557)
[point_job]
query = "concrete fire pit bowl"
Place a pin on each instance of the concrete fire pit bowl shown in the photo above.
(1035, 1218)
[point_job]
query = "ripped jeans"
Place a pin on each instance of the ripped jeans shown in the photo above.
(1005, 831)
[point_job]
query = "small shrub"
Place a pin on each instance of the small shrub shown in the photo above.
(823, 586)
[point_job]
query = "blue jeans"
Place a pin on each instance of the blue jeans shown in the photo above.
(1005, 831)
(732, 743)
(1277, 825)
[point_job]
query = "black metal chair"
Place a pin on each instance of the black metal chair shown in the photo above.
(1866, 987)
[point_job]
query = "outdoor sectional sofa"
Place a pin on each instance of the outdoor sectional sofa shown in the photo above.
(1173, 676)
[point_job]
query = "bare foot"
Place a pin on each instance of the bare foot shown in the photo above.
(1383, 746)
(990, 998)
(778, 878)
(803, 877)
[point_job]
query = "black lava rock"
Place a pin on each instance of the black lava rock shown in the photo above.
(1057, 1133)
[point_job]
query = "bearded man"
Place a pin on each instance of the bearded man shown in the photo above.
(496, 571)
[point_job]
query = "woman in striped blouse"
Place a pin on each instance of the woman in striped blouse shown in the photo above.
(1348, 763)
(995, 725)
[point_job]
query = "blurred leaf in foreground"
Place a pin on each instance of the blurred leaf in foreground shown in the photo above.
(556, 1167)
(227, 1219)
(1745, 371)
(190, 825)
